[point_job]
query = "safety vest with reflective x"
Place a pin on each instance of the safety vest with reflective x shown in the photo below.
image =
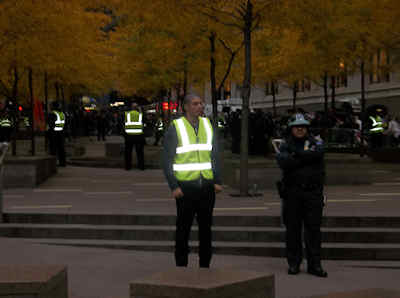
(5, 122)
(193, 153)
(133, 123)
(377, 125)
(60, 121)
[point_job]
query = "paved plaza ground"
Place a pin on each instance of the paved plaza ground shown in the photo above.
(106, 273)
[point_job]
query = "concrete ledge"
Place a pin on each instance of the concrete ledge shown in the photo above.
(368, 293)
(114, 149)
(344, 169)
(205, 283)
(28, 171)
(33, 281)
(388, 154)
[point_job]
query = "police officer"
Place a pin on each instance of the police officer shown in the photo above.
(376, 130)
(5, 125)
(134, 136)
(158, 130)
(56, 125)
(301, 159)
(191, 166)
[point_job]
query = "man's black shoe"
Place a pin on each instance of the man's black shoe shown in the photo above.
(293, 270)
(317, 271)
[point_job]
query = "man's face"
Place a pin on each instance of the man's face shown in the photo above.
(299, 131)
(195, 108)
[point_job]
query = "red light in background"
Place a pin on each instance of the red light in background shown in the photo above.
(20, 108)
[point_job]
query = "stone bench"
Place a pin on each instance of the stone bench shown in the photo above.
(28, 171)
(204, 283)
(33, 281)
(367, 293)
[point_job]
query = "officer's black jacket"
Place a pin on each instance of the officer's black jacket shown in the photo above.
(299, 166)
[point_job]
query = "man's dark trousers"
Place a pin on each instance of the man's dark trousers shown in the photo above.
(303, 208)
(199, 201)
(138, 142)
(57, 146)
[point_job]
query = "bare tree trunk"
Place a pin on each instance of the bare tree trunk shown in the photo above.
(15, 111)
(333, 101)
(63, 97)
(246, 90)
(46, 108)
(32, 118)
(185, 81)
(363, 103)
(57, 92)
(326, 96)
(273, 99)
(294, 96)
(214, 95)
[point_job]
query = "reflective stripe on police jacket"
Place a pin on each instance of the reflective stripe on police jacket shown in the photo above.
(193, 153)
(377, 124)
(5, 123)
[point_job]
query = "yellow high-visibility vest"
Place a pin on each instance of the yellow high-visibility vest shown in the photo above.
(193, 153)
(377, 125)
(133, 123)
(60, 121)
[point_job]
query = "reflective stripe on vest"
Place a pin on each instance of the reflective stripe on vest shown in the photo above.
(5, 123)
(193, 153)
(133, 127)
(60, 122)
(377, 125)
(160, 125)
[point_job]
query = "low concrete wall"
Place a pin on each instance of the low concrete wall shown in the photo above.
(341, 169)
(204, 283)
(28, 171)
(367, 293)
(33, 281)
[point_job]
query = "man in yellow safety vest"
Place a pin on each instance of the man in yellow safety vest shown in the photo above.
(56, 134)
(191, 167)
(134, 136)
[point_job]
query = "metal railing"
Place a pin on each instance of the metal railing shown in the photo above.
(3, 151)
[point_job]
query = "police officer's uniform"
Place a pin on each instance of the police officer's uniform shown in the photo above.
(302, 164)
(5, 127)
(376, 132)
(159, 131)
(134, 137)
(190, 161)
(56, 125)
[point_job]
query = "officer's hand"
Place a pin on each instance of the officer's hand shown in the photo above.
(217, 188)
(177, 193)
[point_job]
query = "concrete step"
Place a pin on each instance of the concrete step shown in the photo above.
(148, 219)
(167, 233)
(332, 251)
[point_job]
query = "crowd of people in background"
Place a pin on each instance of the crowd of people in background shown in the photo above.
(341, 127)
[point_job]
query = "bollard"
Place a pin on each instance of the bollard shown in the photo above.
(3, 151)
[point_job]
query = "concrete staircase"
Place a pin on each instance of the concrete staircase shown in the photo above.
(346, 238)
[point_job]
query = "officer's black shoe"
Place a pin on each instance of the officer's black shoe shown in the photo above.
(317, 271)
(293, 270)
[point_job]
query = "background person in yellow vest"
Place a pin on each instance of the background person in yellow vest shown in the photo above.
(6, 124)
(376, 130)
(133, 133)
(191, 166)
(56, 124)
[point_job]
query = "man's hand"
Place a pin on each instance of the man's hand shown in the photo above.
(177, 193)
(217, 188)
